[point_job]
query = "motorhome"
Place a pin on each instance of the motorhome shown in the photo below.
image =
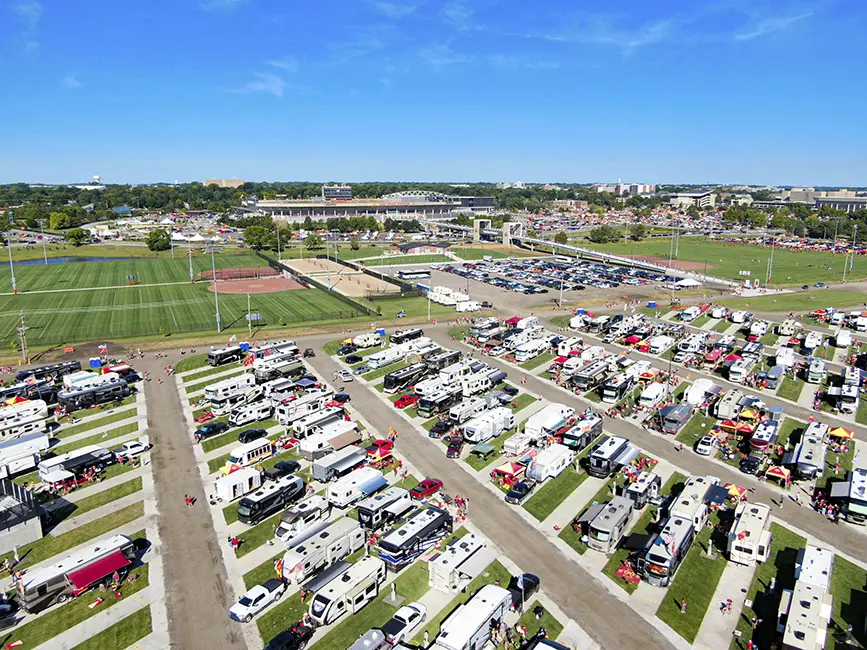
(578, 322)
(788, 327)
(652, 396)
(443, 359)
(675, 417)
(469, 626)
(643, 489)
(458, 564)
(599, 324)
(590, 376)
(860, 324)
(23, 453)
(38, 589)
(329, 438)
(270, 369)
(852, 495)
(481, 324)
(758, 329)
(355, 486)
(611, 454)
(84, 379)
(439, 402)
(692, 344)
(785, 357)
(338, 463)
(843, 338)
(847, 397)
(816, 371)
(593, 353)
(248, 413)
(75, 399)
(608, 523)
(808, 456)
(517, 445)
(530, 350)
(219, 356)
(740, 370)
(659, 344)
(272, 348)
(330, 545)
(405, 336)
(690, 314)
(851, 376)
(237, 484)
(811, 341)
(42, 389)
(488, 425)
(270, 498)
(303, 519)
(738, 317)
(567, 346)
(382, 509)
(749, 539)
(219, 393)
(404, 378)
(666, 552)
(719, 312)
(806, 611)
(75, 463)
(384, 358)
(53, 370)
(691, 504)
(349, 592)
(614, 389)
(248, 454)
(548, 421)
(581, 434)
(367, 340)
(764, 438)
(489, 333)
(550, 462)
(297, 407)
(420, 532)
(302, 426)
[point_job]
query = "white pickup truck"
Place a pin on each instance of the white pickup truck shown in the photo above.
(257, 599)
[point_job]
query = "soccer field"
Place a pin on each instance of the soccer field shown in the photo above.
(78, 275)
(77, 316)
(726, 260)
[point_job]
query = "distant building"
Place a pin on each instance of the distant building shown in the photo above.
(224, 182)
(700, 199)
(122, 210)
(510, 185)
(620, 189)
(424, 248)
(20, 523)
(575, 204)
(337, 192)
(849, 204)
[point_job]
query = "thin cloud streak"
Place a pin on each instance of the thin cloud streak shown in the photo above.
(71, 83)
(771, 25)
(264, 83)
(287, 63)
(395, 10)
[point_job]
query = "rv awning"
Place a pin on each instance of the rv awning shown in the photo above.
(840, 432)
(590, 514)
(478, 562)
(629, 454)
(85, 576)
(305, 383)
(717, 494)
(840, 490)
(57, 476)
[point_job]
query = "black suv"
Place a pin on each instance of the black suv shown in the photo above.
(752, 464)
(249, 435)
(348, 348)
(295, 638)
(209, 429)
(283, 468)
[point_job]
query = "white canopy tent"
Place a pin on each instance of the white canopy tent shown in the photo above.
(688, 282)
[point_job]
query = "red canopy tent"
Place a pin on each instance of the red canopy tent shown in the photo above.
(631, 340)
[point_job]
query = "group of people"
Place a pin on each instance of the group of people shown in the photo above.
(822, 505)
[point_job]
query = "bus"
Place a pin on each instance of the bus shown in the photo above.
(421, 274)
(225, 355)
(440, 402)
(248, 454)
(405, 336)
(54, 370)
(616, 388)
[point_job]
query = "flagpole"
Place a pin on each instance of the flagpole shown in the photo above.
(42, 229)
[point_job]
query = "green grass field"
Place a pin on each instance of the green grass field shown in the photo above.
(726, 260)
(396, 260)
(798, 301)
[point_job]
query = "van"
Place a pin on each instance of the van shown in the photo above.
(248, 413)
(349, 592)
(248, 454)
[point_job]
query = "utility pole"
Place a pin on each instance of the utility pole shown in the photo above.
(249, 322)
(22, 336)
(11, 267)
(854, 239)
(216, 292)
(771, 263)
(677, 239)
(190, 251)
(42, 230)
(834, 247)
(279, 258)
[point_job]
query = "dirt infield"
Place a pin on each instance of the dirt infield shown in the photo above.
(359, 284)
(241, 273)
(316, 267)
(261, 285)
(677, 264)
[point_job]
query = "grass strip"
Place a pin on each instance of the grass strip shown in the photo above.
(66, 432)
(254, 537)
(554, 492)
(191, 362)
(537, 361)
(97, 439)
(697, 428)
(122, 634)
(790, 389)
(97, 500)
(547, 620)
(572, 538)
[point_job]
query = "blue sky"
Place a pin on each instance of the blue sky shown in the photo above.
(740, 91)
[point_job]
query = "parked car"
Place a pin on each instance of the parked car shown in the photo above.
(404, 621)
(346, 348)
(295, 638)
(511, 391)
(283, 468)
(456, 444)
(342, 398)
(130, 449)
(440, 428)
(497, 351)
(707, 445)
(752, 464)
(343, 375)
(309, 353)
(425, 488)
(522, 589)
(209, 429)
(352, 359)
(520, 491)
(249, 435)
(257, 599)
(360, 370)
(404, 401)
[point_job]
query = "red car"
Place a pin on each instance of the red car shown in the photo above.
(405, 400)
(426, 488)
(380, 448)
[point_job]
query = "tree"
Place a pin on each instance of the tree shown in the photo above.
(353, 243)
(638, 231)
(257, 237)
(159, 240)
(603, 235)
(58, 221)
(561, 238)
(77, 236)
(313, 241)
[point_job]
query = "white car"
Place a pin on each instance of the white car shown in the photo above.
(343, 375)
(497, 351)
(707, 445)
(130, 449)
(404, 621)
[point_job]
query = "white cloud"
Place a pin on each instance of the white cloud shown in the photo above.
(29, 12)
(395, 10)
(269, 84)
(287, 63)
(771, 25)
(70, 82)
(459, 14)
(221, 6)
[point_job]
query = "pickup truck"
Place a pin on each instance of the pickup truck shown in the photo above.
(404, 621)
(257, 599)
(209, 429)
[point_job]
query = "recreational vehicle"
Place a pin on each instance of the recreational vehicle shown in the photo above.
(367, 340)
(381, 509)
(565, 347)
(579, 436)
(237, 484)
(75, 399)
(248, 454)
(298, 521)
(550, 462)
(271, 369)
(652, 395)
(349, 592)
(355, 486)
(530, 350)
(302, 426)
(741, 369)
(219, 392)
(614, 389)
(248, 413)
(765, 437)
(666, 552)
(270, 498)
(298, 406)
(22, 454)
(331, 437)
(404, 378)
(643, 489)
(469, 626)
(53, 371)
(217, 357)
(843, 338)
(749, 539)
(590, 376)
(338, 464)
(341, 538)
(551, 419)
(788, 327)
(675, 417)
(84, 380)
(439, 402)
(76, 462)
(808, 456)
(785, 357)
(816, 371)
(488, 425)
(405, 336)
(806, 611)
(852, 494)
(421, 531)
(21, 425)
(461, 562)
(610, 455)
(691, 504)
(608, 523)
(467, 409)
(385, 357)
(442, 360)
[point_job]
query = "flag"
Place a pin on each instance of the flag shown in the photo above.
(520, 582)
(279, 568)
(103, 348)
(31, 380)
(249, 360)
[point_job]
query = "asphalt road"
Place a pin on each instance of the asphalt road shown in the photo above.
(197, 588)
(568, 584)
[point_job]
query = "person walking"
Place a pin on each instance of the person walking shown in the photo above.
(683, 606)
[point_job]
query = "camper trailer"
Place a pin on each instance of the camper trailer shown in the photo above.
(729, 407)
(749, 539)
(764, 437)
(489, 425)
(383, 508)
(349, 592)
(338, 463)
(76, 462)
(248, 413)
(385, 357)
(270, 498)
(530, 350)
(308, 423)
(551, 419)
(666, 552)
(806, 611)
(298, 521)
(788, 327)
(808, 456)
(643, 489)
(237, 484)
(299, 406)
(421, 531)
(460, 563)
(567, 346)
(355, 486)
(469, 626)
(843, 338)
(852, 495)
(550, 462)
(22, 454)
(220, 392)
(610, 455)
(467, 409)
(341, 538)
(652, 396)
(691, 504)
(785, 357)
(517, 445)
(608, 523)
(324, 440)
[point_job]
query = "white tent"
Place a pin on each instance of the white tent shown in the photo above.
(167, 222)
(197, 237)
(176, 236)
(688, 282)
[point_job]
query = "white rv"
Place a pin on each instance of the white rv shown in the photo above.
(816, 371)
(297, 407)
(224, 393)
(300, 521)
(749, 539)
(83, 380)
(547, 421)
(785, 357)
(341, 538)
(489, 425)
(368, 340)
(248, 413)
(741, 369)
(651, 396)
(564, 348)
(319, 418)
(330, 437)
(550, 463)
(385, 358)
(467, 409)
(843, 338)
(355, 486)
(691, 504)
(530, 350)
(22, 454)
(469, 626)
(457, 565)
(349, 592)
(237, 484)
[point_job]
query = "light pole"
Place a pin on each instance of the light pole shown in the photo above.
(249, 321)
(216, 292)
(854, 239)
(42, 231)
(771, 263)
(11, 267)
(279, 258)
(190, 251)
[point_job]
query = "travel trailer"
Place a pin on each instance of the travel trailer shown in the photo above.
(299, 521)
(610, 455)
(691, 504)
(548, 421)
(467, 409)
(852, 495)
(749, 539)
(805, 611)
(349, 592)
(237, 484)
(338, 463)
(331, 437)
(355, 486)
(385, 357)
(249, 413)
(383, 508)
(808, 456)
(488, 425)
(469, 626)
(22, 454)
(296, 407)
(367, 340)
(461, 562)
(643, 489)
(550, 462)
(219, 393)
(76, 398)
(308, 424)
(341, 538)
